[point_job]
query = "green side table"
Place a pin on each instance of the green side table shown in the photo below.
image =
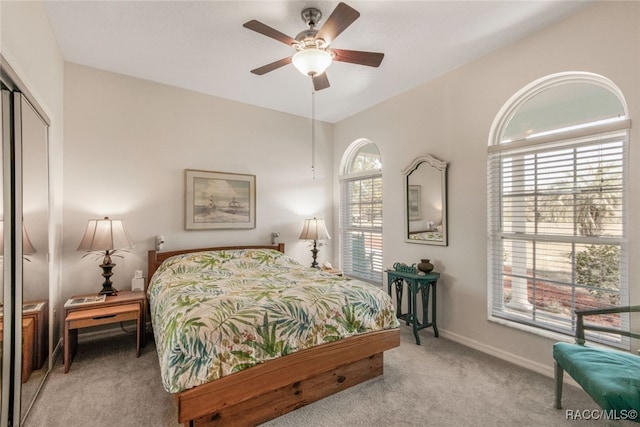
(425, 284)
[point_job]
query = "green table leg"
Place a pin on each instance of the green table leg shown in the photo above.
(414, 310)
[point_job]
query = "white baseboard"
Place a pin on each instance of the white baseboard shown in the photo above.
(57, 351)
(506, 356)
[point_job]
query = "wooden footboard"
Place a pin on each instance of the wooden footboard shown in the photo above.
(276, 387)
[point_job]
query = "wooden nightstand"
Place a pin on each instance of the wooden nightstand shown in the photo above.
(334, 271)
(127, 305)
(27, 346)
(39, 312)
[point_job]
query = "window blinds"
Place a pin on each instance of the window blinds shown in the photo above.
(557, 229)
(361, 228)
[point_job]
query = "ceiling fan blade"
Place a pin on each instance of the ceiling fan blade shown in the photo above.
(341, 17)
(370, 59)
(321, 81)
(266, 30)
(273, 66)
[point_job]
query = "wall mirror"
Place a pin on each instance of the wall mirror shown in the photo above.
(425, 195)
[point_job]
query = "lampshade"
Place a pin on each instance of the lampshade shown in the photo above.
(105, 235)
(27, 246)
(314, 229)
(312, 61)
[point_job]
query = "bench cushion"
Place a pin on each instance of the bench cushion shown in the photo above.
(610, 377)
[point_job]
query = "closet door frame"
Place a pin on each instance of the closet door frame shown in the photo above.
(9, 249)
(15, 96)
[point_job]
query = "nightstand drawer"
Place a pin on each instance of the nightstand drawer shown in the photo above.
(102, 316)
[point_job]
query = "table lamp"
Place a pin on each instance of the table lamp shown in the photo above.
(27, 246)
(314, 229)
(106, 235)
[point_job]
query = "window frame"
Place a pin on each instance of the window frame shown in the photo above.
(346, 230)
(495, 197)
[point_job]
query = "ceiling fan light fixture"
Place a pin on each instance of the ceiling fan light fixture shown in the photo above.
(312, 61)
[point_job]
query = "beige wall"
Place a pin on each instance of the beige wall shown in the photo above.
(128, 142)
(451, 118)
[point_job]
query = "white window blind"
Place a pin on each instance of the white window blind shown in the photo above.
(361, 227)
(557, 229)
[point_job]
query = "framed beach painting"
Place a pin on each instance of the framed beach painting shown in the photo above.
(414, 202)
(219, 200)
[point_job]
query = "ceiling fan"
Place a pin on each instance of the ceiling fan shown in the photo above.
(313, 55)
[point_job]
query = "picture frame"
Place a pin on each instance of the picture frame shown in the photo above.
(219, 200)
(414, 203)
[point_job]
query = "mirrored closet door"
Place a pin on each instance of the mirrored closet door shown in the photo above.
(35, 248)
(25, 261)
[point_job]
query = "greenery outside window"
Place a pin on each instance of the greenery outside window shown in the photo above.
(361, 213)
(557, 204)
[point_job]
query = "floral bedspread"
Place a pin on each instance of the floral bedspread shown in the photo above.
(218, 312)
(426, 235)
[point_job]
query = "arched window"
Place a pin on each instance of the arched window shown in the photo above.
(361, 212)
(556, 187)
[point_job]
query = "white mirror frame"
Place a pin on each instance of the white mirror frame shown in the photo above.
(442, 167)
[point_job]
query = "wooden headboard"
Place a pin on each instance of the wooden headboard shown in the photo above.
(156, 258)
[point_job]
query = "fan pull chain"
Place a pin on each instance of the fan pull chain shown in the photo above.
(313, 133)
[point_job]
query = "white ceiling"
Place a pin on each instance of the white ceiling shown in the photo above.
(202, 45)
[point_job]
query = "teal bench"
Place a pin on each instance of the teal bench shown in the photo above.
(610, 377)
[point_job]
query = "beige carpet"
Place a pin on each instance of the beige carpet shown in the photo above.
(439, 383)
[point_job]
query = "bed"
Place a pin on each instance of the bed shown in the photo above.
(425, 235)
(260, 374)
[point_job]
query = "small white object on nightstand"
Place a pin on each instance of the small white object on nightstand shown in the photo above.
(137, 282)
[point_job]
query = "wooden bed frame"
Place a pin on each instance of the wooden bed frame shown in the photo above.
(278, 386)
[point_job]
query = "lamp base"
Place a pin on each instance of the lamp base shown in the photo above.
(314, 255)
(107, 288)
(108, 291)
